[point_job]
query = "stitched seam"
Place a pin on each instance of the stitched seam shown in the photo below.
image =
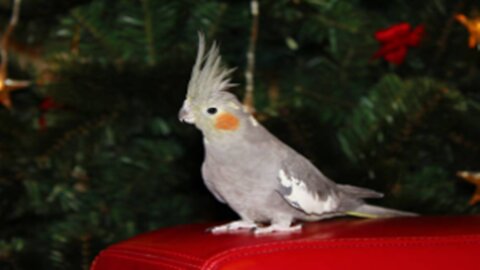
(387, 245)
(342, 240)
(156, 250)
(166, 264)
(165, 260)
(171, 266)
(339, 243)
(171, 260)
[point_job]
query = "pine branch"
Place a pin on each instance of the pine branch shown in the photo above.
(95, 33)
(149, 32)
(459, 139)
(215, 26)
(390, 113)
(326, 98)
(83, 129)
(446, 32)
(335, 24)
(75, 42)
(248, 100)
(86, 251)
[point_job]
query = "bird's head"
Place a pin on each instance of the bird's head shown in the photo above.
(208, 105)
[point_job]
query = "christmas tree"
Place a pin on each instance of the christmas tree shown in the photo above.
(379, 94)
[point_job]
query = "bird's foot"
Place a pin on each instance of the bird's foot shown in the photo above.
(233, 226)
(278, 228)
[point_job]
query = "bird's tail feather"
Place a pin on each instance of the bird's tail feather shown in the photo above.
(360, 192)
(372, 211)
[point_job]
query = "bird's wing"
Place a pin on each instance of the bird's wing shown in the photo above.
(209, 178)
(304, 187)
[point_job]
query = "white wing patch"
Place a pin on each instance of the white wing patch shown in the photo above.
(253, 121)
(302, 198)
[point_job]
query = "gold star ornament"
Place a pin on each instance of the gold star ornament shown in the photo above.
(8, 85)
(473, 178)
(473, 27)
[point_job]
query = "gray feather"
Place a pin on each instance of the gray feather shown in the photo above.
(209, 180)
(374, 211)
(359, 192)
(208, 74)
(299, 167)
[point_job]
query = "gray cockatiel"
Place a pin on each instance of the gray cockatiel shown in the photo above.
(257, 175)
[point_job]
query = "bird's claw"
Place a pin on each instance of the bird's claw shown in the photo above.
(233, 226)
(278, 228)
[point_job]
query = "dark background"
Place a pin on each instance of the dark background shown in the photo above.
(110, 159)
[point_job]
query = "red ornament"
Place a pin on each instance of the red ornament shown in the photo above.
(47, 104)
(395, 41)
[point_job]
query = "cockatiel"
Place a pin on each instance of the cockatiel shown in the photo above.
(258, 176)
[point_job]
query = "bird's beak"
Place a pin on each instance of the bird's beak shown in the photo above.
(185, 114)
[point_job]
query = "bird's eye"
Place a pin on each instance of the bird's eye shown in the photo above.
(212, 110)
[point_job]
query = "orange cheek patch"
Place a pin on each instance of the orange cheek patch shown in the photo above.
(227, 121)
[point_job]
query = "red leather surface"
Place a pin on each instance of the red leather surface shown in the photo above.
(397, 243)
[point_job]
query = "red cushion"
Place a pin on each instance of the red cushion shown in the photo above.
(397, 243)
